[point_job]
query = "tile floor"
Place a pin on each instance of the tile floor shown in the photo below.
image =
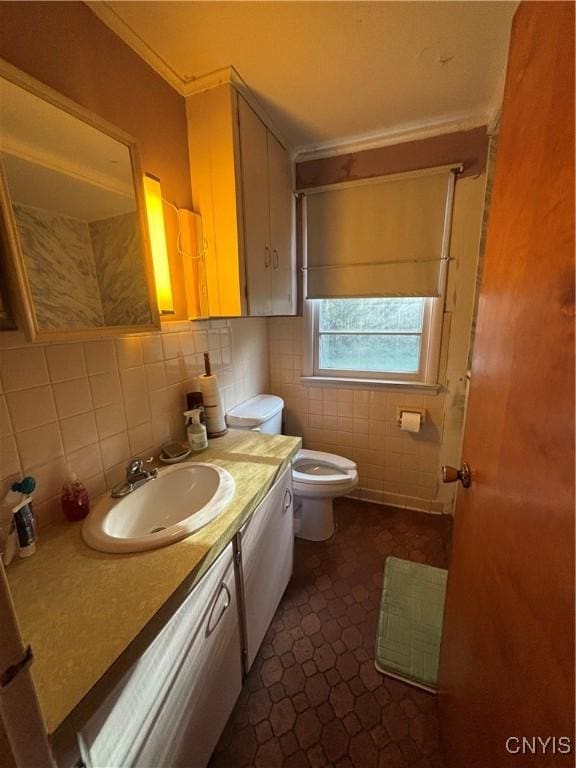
(313, 697)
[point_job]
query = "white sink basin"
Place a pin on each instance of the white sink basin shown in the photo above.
(178, 502)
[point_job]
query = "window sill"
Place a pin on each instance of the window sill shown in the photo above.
(338, 381)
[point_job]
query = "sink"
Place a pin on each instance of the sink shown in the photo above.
(180, 501)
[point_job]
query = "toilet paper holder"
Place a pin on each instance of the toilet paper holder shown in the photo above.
(405, 409)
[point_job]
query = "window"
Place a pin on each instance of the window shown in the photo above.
(389, 339)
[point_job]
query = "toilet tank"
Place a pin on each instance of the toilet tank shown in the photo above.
(262, 412)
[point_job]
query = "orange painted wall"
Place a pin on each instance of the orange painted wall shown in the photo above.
(64, 45)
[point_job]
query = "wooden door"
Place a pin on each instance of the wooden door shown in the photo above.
(281, 227)
(507, 660)
(256, 209)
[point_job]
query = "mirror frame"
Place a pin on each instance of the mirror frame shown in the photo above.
(13, 266)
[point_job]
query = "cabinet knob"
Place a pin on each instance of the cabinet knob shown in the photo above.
(266, 257)
(276, 259)
(287, 499)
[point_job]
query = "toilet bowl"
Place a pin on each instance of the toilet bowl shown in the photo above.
(317, 477)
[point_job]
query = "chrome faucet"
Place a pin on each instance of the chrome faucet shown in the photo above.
(136, 475)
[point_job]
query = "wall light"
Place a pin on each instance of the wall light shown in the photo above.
(157, 231)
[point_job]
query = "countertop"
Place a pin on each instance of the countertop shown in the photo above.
(81, 609)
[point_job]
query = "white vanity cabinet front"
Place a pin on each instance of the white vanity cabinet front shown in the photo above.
(267, 547)
(170, 708)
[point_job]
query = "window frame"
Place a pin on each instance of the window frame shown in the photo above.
(428, 372)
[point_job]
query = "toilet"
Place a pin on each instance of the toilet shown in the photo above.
(317, 477)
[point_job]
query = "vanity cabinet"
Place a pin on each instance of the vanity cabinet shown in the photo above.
(170, 708)
(242, 187)
(267, 546)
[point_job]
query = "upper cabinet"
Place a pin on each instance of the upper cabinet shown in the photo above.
(76, 257)
(242, 187)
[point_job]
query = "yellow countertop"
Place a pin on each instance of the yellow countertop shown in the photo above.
(80, 609)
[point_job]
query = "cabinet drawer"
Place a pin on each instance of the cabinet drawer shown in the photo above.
(170, 708)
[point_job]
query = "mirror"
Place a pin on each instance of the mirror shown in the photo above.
(73, 217)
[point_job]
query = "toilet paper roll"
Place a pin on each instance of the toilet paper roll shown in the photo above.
(215, 421)
(410, 421)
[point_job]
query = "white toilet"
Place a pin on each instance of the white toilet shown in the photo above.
(317, 477)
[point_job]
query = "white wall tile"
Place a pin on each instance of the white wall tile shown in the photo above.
(23, 368)
(140, 438)
(171, 345)
(72, 397)
(100, 356)
(129, 351)
(110, 420)
(187, 345)
(40, 445)
(78, 431)
(65, 361)
(31, 408)
(105, 388)
(49, 479)
(5, 423)
(152, 351)
(115, 450)
(9, 458)
(87, 462)
(155, 376)
(135, 391)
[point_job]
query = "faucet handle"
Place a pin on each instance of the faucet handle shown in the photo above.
(136, 464)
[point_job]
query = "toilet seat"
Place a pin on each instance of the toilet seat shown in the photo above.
(317, 469)
(317, 479)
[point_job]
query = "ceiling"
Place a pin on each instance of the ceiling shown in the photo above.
(334, 73)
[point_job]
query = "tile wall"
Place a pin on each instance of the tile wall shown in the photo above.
(95, 404)
(394, 466)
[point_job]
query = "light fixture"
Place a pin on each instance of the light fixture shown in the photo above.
(157, 232)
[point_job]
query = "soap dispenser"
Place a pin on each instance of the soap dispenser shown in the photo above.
(74, 500)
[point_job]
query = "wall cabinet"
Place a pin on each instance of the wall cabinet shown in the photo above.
(242, 187)
(267, 546)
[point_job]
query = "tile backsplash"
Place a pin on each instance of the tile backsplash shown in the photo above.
(94, 404)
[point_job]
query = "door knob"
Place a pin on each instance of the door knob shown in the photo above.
(451, 474)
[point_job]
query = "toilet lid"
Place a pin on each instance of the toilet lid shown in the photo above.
(255, 411)
(319, 468)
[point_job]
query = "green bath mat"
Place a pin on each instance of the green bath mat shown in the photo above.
(410, 626)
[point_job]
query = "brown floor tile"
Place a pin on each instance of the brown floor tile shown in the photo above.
(313, 697)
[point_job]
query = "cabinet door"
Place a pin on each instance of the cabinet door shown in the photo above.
(267, 541)
(170, 708)
(281, 228)
(255, 205)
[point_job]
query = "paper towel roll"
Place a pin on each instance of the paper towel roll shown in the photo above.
(215, 421)
(410, 421)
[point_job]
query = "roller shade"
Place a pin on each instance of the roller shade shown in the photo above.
(383, 237)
